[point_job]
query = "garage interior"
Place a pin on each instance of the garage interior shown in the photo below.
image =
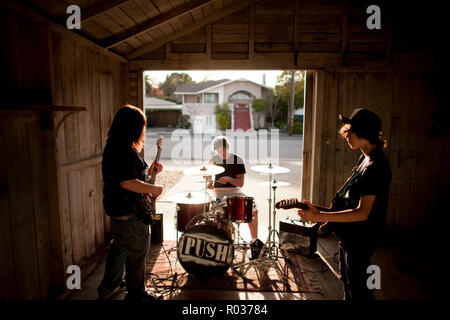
(61, 89)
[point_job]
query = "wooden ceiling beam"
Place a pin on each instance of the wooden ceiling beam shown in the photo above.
(191, 28)
(93, 11)
(117, 39)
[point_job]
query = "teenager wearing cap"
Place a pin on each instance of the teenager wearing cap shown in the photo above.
(358, 211)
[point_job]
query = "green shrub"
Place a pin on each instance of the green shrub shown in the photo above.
(223, 121)
(260, 105)
(148, 115)
(223, 116)
(298, 126)
(280, 124)
(184, 121)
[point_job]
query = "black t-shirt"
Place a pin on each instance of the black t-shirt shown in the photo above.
(373, 178)
(121, 163)
(233, 166)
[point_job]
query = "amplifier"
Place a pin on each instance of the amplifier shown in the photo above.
(156, 228)
(298, 236)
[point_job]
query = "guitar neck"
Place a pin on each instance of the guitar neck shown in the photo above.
(293, 203)
(153, 175)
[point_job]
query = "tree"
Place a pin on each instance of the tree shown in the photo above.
(282, 95)
(171, 83)
(151, 88)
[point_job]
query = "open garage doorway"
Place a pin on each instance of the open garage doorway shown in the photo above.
(251, 108)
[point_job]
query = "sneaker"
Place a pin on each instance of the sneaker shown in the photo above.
(256, 247)
(104, 294)
(145, 296)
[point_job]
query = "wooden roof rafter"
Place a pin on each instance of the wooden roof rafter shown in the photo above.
(191, 28)
(93, 11)
(176, 12)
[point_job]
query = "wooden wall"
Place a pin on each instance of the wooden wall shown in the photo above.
(408, 107)
(91, 80)
(30, 245)
(51, 213)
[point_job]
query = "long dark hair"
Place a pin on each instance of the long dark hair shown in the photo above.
(127, 126)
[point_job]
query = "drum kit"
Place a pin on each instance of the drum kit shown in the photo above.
(206, 248)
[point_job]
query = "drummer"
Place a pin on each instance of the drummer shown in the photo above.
(230, 182)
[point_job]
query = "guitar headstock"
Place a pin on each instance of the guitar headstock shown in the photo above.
(159, 142)
(289, 204)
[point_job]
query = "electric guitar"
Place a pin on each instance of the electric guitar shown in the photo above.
(147, 205)
(294, 203)
(159, 143)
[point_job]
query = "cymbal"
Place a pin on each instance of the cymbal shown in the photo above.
(269, 169)
(189, 198)
(275, 183)
(205, 170)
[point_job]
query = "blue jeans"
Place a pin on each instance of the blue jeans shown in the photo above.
(353, 263)
(128, 249)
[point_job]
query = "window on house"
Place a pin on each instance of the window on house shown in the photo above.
(211, 97)
(241, 95)
(199, 98)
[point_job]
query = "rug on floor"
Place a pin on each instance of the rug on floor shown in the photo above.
(301, 273)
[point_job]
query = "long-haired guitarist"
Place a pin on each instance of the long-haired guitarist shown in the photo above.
(358, 210)
(124, 187)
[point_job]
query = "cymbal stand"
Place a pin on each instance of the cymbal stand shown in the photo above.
(238, 238)
(272, 258)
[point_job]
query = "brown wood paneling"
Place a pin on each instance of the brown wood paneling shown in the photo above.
(399, 99)
(8, 289)
(24, 237)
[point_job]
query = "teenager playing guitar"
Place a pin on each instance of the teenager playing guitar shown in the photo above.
(358, 211)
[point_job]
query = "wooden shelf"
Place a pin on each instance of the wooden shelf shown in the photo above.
(46, 111)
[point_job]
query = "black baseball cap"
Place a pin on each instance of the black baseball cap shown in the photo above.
(364, 122)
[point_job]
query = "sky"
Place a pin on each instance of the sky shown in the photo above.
(200, 75)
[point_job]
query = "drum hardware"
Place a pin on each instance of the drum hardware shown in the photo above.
(275, 183)
(206, 247)
(206, 171)
(272, 183)
(271, 259)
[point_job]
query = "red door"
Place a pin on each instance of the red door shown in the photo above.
(242, 117)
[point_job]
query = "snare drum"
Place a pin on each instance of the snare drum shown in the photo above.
(206, 250)
(238, 209)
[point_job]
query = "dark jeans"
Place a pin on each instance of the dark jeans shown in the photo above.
(128, 249)
(353, 263)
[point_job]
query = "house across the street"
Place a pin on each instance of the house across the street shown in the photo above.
(200, 99)
(162, 113)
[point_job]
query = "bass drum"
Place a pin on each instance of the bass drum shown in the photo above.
(206, 250)
(185, 212)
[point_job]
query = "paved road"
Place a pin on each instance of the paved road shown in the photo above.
(254, 148)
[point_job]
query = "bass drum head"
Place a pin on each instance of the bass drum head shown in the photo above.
(205, 251)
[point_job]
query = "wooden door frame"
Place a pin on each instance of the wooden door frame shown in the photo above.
(312, 134)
